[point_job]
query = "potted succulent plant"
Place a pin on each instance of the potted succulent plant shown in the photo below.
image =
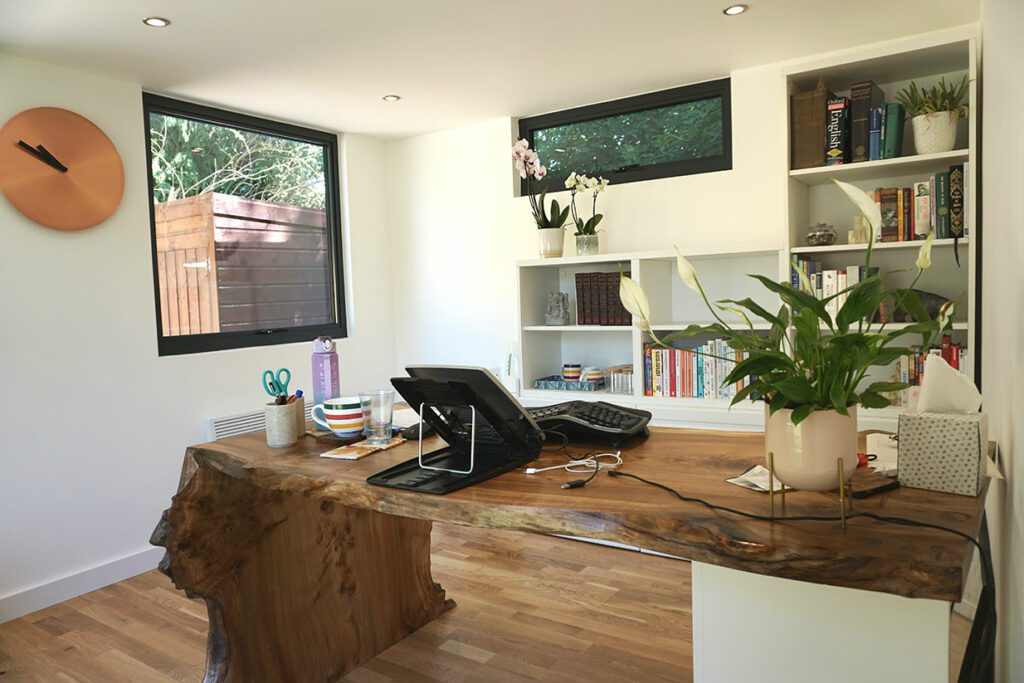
(550, 232)
(586, 230)
(934, 113)
(811, 378)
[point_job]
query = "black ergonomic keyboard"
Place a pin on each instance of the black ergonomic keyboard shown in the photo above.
(592, 418)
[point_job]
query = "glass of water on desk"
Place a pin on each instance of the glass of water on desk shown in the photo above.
(378, 407)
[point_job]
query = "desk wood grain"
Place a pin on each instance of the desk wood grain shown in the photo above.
(867, 555)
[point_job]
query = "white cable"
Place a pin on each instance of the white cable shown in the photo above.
(584, 465)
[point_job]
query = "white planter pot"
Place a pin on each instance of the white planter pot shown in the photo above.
(551, 242)
(806, 455)
(935, 132)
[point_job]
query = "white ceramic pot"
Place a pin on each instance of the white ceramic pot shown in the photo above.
(806, 455)
(935, 132)
(551, 242)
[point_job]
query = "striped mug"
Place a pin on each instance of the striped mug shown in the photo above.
(342, 415)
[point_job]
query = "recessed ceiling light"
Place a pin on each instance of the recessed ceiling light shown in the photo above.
(156, 22)
(391, 98)
(733, 10)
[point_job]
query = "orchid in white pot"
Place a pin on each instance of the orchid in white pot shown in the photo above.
(811, 378)
(549, 223)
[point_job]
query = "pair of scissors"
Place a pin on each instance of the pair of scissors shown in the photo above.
(277, 384)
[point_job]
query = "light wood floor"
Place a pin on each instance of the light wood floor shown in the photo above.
(529, 608)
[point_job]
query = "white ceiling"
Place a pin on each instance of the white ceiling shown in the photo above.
(327, 63)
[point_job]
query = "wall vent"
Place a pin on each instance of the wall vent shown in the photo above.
(243, 423)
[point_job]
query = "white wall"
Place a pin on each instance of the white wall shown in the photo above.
(458, 231)
(1003, 311)
(93, 424)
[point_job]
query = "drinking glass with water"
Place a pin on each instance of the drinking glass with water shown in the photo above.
(378, 409)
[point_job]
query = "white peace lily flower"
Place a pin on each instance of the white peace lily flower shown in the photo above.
(686, 272)
(634, 299)
(924, 254)
(945, 313)
(865, 203)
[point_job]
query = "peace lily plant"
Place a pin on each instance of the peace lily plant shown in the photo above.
(822, 366)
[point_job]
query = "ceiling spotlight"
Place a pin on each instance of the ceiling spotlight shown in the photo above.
(391, 98)
(733, 10)
(156, 22)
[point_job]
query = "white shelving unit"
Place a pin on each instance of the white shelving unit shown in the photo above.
(810, 198)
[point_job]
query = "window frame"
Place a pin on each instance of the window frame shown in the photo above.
(628, 105)
(221, 341)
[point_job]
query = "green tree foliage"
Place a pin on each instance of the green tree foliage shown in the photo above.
(691, 130)
(192, 157)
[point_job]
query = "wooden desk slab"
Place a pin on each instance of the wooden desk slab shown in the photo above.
(868, 555)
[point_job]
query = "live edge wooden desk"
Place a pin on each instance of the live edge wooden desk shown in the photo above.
(308, 571)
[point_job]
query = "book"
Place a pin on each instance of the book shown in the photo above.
(602, 298)
(933, 205)
(807, 127)
(580, 300)
(956, 200)
(901, 234)
(882, 111)
(828, 288)
(890, 214)
(967, 194)
(894, 119)
(907, 214)
(942, 205)
(875, 134)
(837, 129)
(922, 210)
(864, 98)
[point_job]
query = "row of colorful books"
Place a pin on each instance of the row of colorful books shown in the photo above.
(863, 127)
(939, 203)
(827, 283)
(597, 300)
(691, 372)
(829, 130)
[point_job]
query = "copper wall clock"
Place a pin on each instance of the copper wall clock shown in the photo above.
(59, 169)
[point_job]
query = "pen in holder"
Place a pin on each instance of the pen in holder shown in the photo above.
(282, 424)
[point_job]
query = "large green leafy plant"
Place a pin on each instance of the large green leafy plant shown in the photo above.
(822, 364)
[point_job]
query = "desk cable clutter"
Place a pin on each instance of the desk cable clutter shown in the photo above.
(590, 464)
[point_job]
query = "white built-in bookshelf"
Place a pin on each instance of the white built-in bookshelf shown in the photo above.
(811, 198)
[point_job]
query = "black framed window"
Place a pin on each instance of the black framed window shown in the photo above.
(668, 133)
(246, 229)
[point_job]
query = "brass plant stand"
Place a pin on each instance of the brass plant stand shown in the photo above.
(842, 491)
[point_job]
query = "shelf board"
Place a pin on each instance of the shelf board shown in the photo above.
(658, 327)
(874, 327)
(656, 255)
(879, 246)
(577, 328)
(882, 168)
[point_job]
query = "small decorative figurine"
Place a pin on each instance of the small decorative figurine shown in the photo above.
(557, 312)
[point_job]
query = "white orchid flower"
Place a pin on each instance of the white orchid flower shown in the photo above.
(924, 254)
(591, 183)
(540, 172)
(634, 299)
(570, 182)
(865, 203)
(604, 184)
(686, 272)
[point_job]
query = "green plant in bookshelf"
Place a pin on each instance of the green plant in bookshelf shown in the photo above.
(935, 112)
(823, 365)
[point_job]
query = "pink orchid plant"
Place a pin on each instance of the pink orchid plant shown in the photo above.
(528, 164)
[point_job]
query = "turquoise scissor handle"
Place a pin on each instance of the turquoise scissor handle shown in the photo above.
(277, 384)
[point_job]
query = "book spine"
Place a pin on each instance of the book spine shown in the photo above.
(956, 200)
(894, 119)
(837, 127)
(580, 300)
(922, 210)
(860, 120)
(907, 214)
(954, 355)
(942, 204)
(882, 113)
(901, 227)
(679, 372)
(890, 213)
(967, 195)
(602, 299)
(700, 371)
(875, 134)
(648, 372)
(671, 372)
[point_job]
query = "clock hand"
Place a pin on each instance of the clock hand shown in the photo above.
(46, 157)
(50, 157)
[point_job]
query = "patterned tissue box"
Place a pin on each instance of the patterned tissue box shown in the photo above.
(941, 452)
